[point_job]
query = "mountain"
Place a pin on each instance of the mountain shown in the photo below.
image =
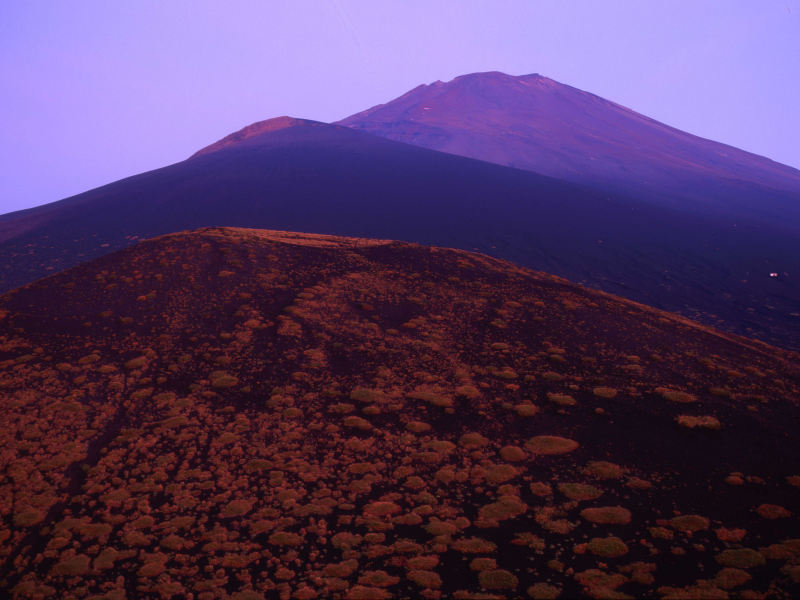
(534, 123)
(307, 176)
(248, 414)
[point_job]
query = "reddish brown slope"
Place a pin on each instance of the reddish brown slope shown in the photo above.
(234, 412)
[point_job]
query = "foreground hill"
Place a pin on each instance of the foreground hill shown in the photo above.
(308, 176)
(247, 414)
(534, 123)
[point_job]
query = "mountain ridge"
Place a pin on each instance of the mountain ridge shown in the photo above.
(332, 179)
(535, 123)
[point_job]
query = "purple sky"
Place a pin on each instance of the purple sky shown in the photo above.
(93, 91)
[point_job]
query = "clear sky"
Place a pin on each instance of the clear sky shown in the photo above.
(95, 90)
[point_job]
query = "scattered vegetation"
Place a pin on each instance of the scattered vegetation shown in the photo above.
(609, 515)
(299, 417)
(676, 395)
(605, 392)
(704, 422)
(550, 444)
(608, 547)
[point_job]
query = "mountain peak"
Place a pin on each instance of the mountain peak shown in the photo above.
(485, 75)
(486, 100)
(535, 123)
(495, 80)
(496, 76)
(256, 129)
(510, 90)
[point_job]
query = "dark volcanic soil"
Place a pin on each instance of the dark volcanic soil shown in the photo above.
(245, 414)
(296, 175)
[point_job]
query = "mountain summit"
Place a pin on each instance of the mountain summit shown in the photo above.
(255, 130)
(537, 124)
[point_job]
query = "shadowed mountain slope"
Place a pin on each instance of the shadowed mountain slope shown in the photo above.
(245, 414)
(534, 123)
(302, 175)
